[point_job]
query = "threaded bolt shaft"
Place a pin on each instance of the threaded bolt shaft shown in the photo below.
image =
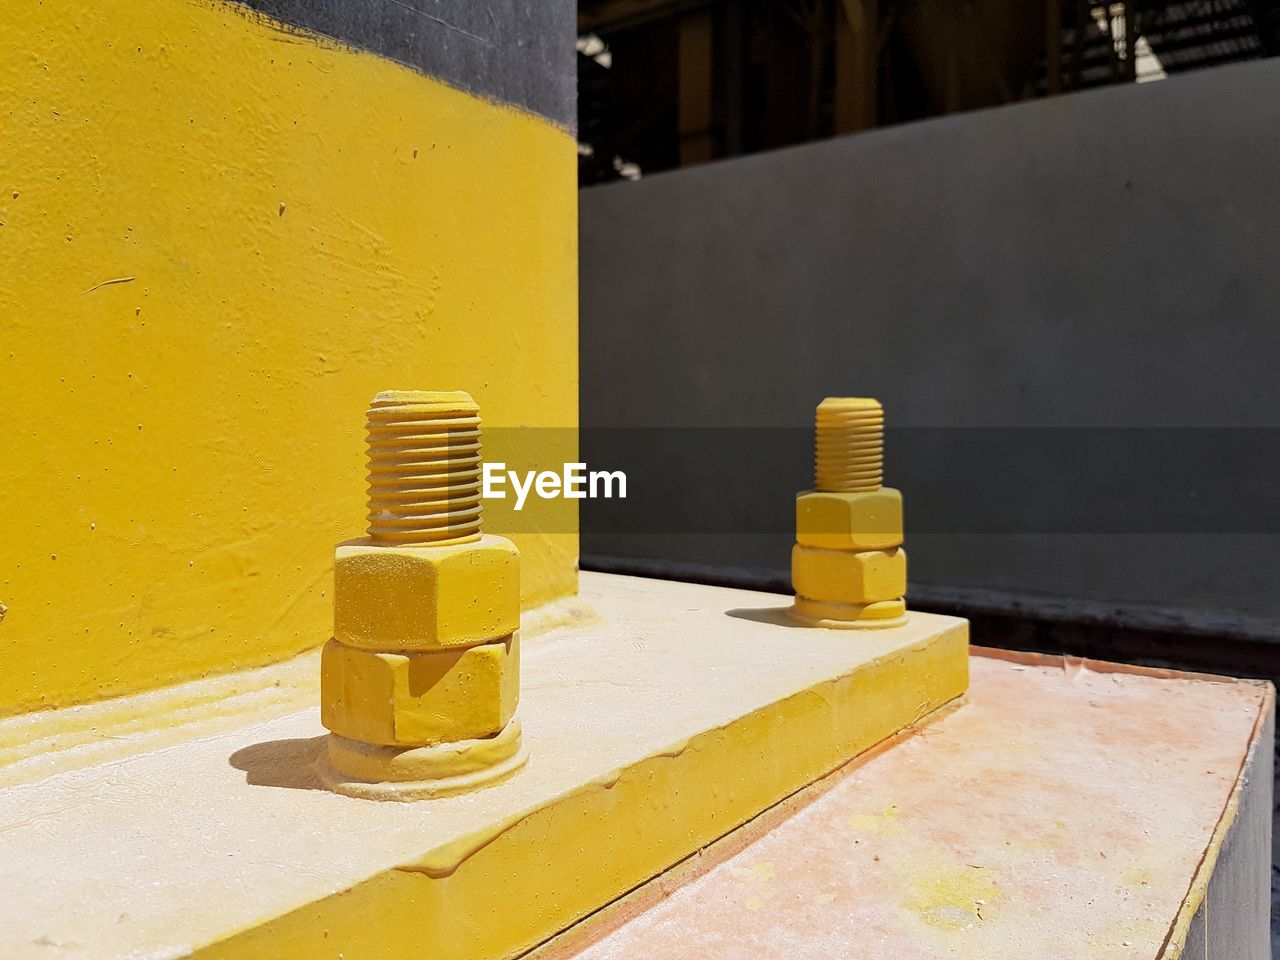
(424, 467)
(849, 445)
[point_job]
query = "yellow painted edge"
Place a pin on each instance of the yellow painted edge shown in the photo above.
(1176, 940)
(506, 889)
(38, 745)
(569, 943)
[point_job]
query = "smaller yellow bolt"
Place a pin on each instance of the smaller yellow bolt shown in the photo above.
(849, 444)
(848, 567)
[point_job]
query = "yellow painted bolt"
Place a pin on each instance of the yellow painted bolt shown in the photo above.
(849, 441)
(420, 682)
(847, 566)
(424, 467)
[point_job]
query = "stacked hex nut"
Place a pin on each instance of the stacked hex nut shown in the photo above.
(425, 648)
(848, 567)
(421, 679)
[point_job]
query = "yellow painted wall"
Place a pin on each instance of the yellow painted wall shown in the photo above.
(302, 225)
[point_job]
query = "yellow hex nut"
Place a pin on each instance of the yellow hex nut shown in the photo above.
(416, 699)
(411, 598)
(870, 520)
(848, 576)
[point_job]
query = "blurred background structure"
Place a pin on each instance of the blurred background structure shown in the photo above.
(1067, 305)
(673, 83)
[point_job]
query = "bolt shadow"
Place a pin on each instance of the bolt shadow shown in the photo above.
(281, 763)
(778, 616)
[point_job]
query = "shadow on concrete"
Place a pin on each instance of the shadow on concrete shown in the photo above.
(281, 763)
(778, 616)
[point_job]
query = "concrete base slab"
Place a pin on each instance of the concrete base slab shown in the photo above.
(1066, 810)
(685, 712)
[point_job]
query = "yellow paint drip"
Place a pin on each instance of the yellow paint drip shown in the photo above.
(955, 897)
(882, 824)
(760, 882)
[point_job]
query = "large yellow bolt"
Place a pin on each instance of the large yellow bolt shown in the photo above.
(424, 467)
(420, 682)
(848, 567)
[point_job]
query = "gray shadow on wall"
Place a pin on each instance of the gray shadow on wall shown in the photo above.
(281, 763)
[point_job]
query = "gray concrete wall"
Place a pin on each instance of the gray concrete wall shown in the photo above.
(1091, 275)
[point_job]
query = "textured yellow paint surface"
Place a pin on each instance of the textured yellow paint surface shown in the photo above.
(219, 240)
(417, 597)
(849, 520)
(419, 698)
(849, 576)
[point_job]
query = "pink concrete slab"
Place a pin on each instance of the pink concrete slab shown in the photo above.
(1062, 812)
